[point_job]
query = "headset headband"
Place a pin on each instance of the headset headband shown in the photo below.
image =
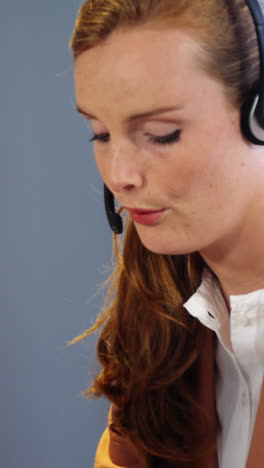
(256, 8)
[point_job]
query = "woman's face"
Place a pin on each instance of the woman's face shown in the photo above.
(167, 139)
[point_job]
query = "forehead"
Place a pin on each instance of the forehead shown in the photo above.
(138, 55)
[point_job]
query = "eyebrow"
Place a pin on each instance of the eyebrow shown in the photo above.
(142, 115)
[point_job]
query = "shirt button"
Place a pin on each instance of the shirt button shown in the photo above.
(244, 321)
(244, 399)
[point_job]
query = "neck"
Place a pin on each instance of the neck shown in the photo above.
(238, 260)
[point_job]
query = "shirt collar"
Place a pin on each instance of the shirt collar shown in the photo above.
(207, 303)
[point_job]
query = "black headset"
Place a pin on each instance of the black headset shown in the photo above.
(252, 111)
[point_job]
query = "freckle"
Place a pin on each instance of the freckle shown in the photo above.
(242, 164)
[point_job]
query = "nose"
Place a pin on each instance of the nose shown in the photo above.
(125, 169)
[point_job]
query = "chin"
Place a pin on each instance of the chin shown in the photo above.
(166, 247)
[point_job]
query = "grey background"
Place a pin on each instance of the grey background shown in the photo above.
(55, 245)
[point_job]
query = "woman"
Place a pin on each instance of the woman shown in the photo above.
(163, 84)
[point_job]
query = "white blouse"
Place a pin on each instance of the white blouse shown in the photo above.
(240, 362)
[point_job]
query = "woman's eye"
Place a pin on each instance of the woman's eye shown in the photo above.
(161, 140)
(167, 139)
(102, 137)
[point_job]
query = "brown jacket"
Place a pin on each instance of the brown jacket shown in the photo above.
(115, 451)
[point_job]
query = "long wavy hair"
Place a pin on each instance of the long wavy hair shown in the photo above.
(149, 345)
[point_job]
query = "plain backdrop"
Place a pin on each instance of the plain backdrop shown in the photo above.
(55, 245)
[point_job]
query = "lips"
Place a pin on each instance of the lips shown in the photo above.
(143, 211)
(146, 217)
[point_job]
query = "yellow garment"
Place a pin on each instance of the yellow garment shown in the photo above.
(115, 451)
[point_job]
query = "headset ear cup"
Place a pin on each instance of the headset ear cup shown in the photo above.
(246, 119)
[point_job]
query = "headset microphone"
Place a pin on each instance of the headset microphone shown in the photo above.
(114, 219)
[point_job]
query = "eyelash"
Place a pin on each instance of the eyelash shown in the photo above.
(162, 140)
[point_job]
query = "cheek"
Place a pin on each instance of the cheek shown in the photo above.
(182, 174)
